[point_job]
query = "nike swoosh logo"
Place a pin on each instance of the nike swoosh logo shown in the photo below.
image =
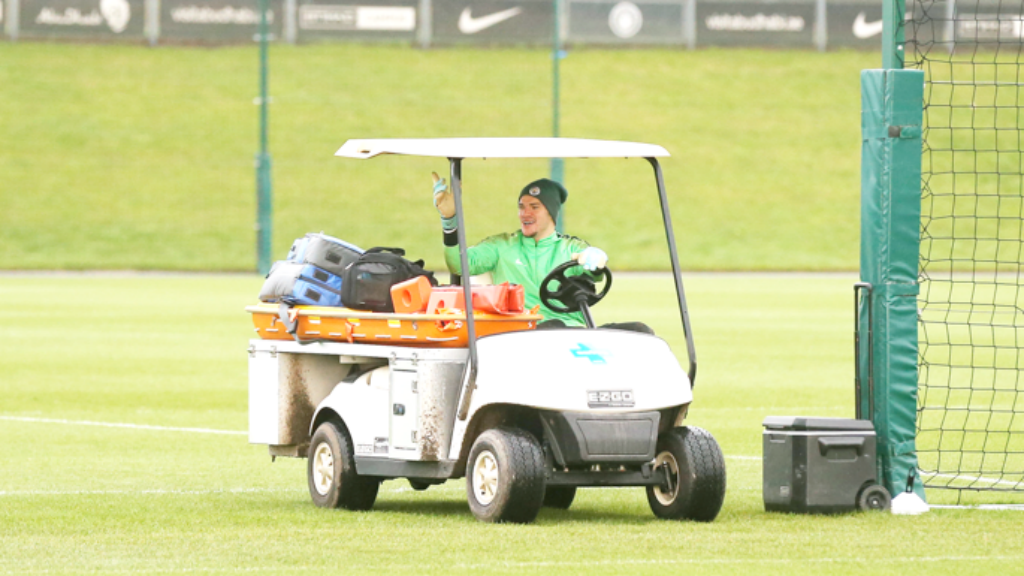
(864, 29)
(470, 25)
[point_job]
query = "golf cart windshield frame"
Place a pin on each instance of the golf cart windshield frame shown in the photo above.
(526, 148)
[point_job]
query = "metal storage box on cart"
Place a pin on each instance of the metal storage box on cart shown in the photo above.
(820, 465)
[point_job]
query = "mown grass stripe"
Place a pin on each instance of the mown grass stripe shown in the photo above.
(122, 425)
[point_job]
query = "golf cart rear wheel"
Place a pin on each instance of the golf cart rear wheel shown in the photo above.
(333, 482)
(505, 476)
(695, 469)
(874, 497)
(559, 496)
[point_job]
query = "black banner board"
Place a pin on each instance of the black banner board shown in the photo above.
(855, 24)
(987, 24)
(356, 20)
(493, 21)
(626, 22)
(100, 19)
(217, 20)
(755, 23)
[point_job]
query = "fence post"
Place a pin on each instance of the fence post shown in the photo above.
(821, 25)
(11, 22)
(151, 23)
(290, 21)
(426, 27)
(949, 31)
(690, 23)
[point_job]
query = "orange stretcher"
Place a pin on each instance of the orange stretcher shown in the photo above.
(444, 329)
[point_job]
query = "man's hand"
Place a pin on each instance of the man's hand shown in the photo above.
(592, 259)
(444, 201)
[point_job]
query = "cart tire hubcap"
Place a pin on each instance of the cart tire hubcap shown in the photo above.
(485, 477)
(666, 498)
(323, 468)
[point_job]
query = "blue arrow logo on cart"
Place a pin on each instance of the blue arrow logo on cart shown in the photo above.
(584, 351)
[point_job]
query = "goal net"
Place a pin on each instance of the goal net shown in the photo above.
(970, 413)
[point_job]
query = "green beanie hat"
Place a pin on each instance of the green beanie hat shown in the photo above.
(550, 193)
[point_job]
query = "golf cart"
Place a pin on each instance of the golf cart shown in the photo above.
(606, 409)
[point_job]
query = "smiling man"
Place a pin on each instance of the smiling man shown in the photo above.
(527, 255)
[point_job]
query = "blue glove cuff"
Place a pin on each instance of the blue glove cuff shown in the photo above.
(449, 224)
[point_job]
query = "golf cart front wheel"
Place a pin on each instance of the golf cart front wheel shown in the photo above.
(874, 497)
(695, 476)
(505, 476)
(333, 481)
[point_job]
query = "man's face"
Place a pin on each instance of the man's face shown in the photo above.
(534, 218)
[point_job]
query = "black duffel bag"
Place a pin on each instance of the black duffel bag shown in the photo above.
(366, 283)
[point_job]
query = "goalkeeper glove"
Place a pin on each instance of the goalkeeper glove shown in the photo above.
(592, 259)
(445, 203)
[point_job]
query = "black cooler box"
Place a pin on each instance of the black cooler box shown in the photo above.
(818, 465)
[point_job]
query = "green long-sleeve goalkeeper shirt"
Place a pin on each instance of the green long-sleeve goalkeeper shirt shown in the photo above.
(517, 259)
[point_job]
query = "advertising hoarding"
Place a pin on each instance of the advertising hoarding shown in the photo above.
(748, 23)
(626, 21)
(101, 19)
(493, 21)
(217, 20)
(364, 20)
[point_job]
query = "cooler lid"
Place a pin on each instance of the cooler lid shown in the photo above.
(815, 423)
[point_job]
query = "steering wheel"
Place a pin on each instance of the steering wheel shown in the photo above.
(573, 291)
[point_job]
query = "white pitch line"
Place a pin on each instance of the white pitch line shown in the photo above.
(145, 492)
(994, 481)
(122, 425)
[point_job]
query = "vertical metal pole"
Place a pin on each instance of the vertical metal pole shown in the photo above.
(291, 29)
(677, 273)
(469, 378)
(151, 19)
(690, 23)
(11, 24)
(557, 53)
(425, 31)
(263, 187)
(821, 25)
(893, 40)
(949, 31)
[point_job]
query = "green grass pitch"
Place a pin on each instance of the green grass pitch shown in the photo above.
(164, 355)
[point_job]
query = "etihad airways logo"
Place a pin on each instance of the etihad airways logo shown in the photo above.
(471, 25)
(116, 13)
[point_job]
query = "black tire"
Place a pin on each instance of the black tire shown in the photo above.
(559, 497)
(874, 497)
(331, 471)
(505, 476)
(697, 476)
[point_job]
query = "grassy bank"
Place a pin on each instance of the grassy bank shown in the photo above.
(131, 157)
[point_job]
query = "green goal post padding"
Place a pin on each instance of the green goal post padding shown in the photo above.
(890, 244)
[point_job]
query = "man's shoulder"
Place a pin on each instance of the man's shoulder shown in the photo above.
(503, 238)
(573, 240)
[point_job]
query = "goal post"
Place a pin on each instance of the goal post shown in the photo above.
(940, 306)
(887, 296)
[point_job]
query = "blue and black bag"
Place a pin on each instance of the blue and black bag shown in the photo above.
(301, 284)
(311, 276)
(327, 252)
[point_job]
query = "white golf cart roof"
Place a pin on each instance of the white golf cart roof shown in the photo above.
(500, 148)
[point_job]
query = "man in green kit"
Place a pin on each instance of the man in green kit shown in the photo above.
(527, 255)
